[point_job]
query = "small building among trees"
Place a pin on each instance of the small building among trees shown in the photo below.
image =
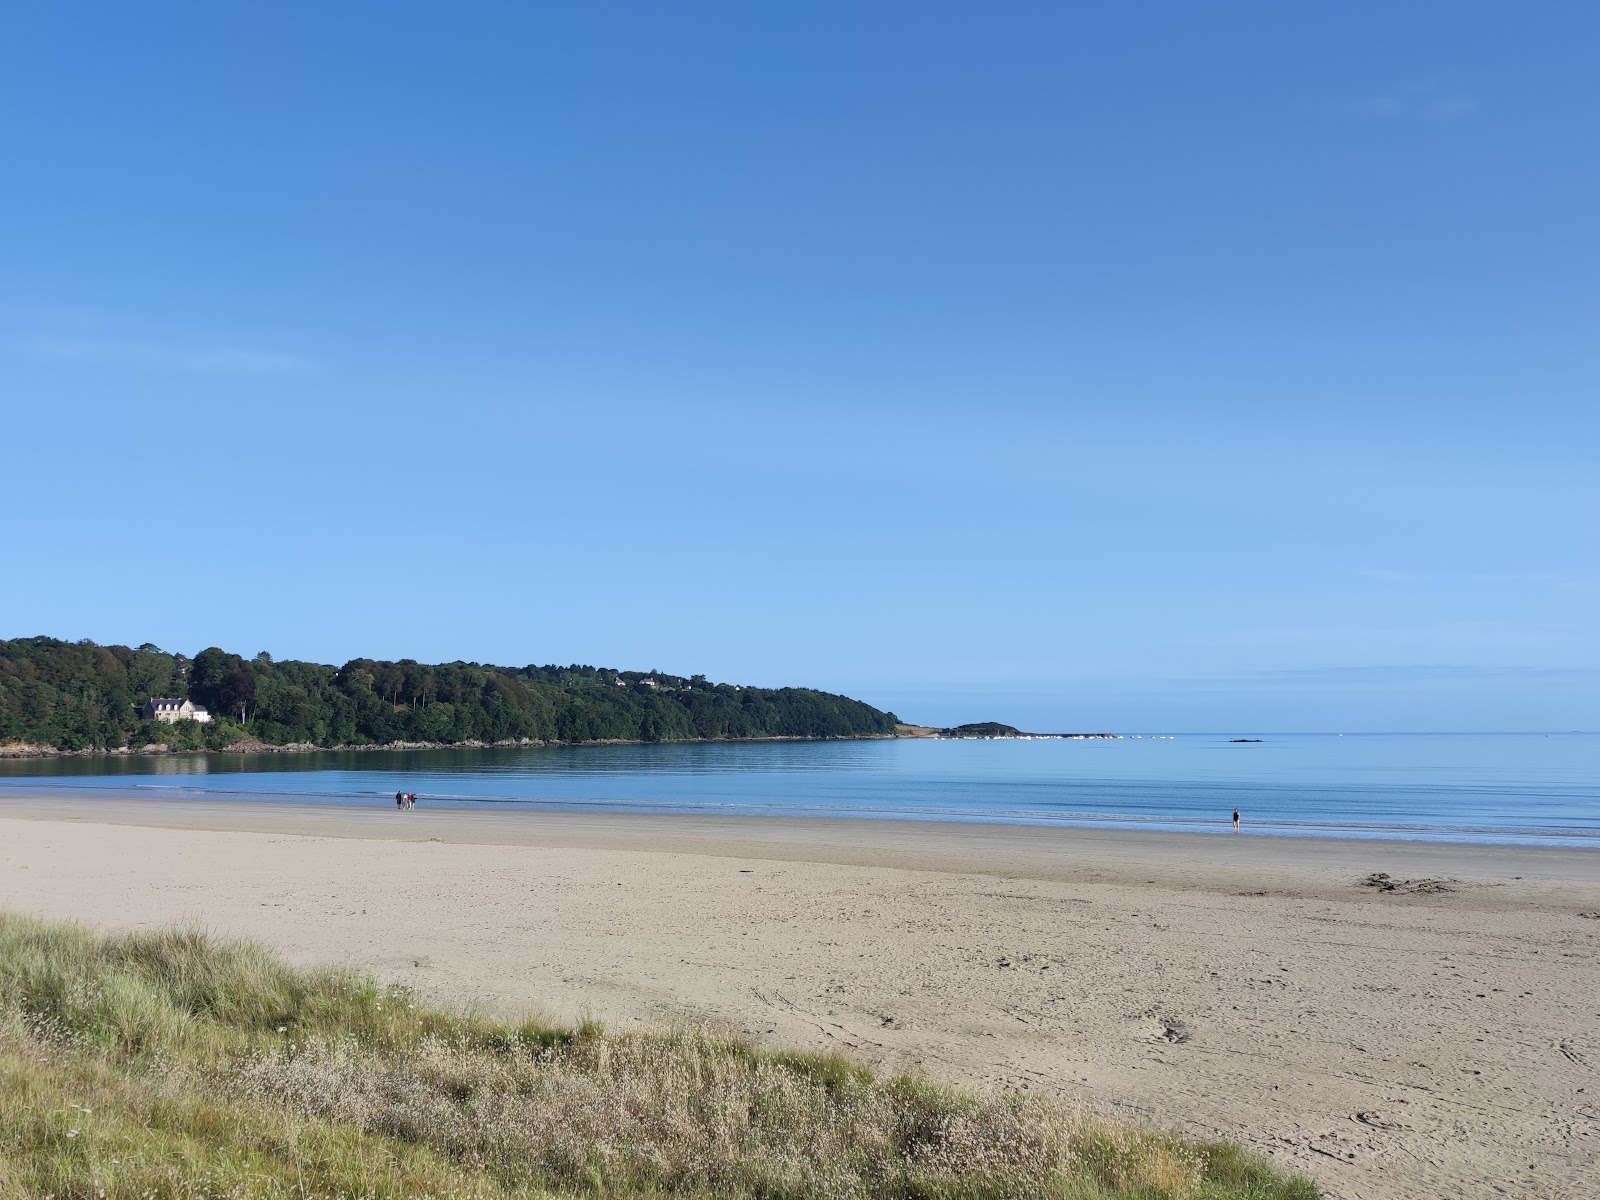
(160, 708)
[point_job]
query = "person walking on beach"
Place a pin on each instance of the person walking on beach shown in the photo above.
(1236, 820)
(399, 799)
(411, 799)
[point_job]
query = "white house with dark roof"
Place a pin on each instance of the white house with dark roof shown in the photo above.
(160, 708)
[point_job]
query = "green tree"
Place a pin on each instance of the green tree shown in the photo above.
(75, 695)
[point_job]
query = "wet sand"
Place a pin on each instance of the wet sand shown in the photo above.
(1418, 1039)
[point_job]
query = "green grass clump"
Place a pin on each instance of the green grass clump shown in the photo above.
(178, 1065)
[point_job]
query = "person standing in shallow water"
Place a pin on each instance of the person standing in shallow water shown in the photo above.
(1236, 820)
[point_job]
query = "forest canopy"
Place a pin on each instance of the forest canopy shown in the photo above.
(80, 696)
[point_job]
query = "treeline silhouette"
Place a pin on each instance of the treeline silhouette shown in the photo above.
(80, 695)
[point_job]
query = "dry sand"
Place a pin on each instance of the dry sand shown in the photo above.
(1404, 1043)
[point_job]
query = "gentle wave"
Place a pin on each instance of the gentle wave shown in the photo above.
(1164, 822)
(1501, 788)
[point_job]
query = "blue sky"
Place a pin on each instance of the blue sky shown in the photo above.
(1171, 366)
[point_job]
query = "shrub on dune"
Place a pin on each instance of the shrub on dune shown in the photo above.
(174, 1064)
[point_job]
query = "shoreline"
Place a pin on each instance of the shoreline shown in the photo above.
(119, 789)
(970, 847)
(25, 750)
(1431, 1038)
(28, 750)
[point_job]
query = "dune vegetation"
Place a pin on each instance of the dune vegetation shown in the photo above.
(174, 1064)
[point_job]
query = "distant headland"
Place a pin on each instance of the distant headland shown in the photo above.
(64, 697)
(59, 697)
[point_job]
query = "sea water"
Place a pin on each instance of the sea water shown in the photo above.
(1507, 788)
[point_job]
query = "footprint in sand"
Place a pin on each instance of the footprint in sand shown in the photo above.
(1384, 882)
(1170, 1029)
(1376, 1121)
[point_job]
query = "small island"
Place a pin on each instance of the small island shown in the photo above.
(986, 729)
(982, 729)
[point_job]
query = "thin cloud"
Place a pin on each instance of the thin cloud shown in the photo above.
(168, 357)
(1421, 101)
(1429, 674)
(1384, 575)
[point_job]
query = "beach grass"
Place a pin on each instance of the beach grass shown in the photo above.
(173, 1064)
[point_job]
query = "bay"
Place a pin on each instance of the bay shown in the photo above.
(1508, 788)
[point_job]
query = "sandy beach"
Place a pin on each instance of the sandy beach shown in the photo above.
(1397, 1039)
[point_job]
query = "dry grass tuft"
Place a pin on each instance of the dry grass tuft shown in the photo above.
(173, 1064)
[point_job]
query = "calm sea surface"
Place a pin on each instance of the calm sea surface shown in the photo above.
(1522, 788)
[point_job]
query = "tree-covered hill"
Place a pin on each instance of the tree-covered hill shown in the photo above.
(79, 695)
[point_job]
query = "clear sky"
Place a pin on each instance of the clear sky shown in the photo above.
(1132, 366)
